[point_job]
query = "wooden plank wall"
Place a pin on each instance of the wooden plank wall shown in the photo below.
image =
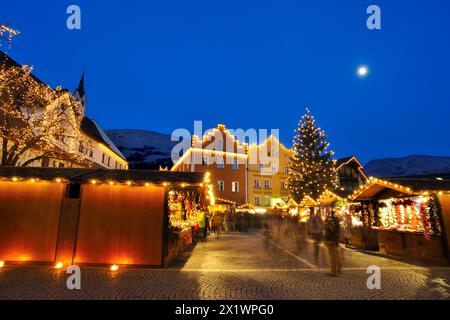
(445, 205)
(29, 220)
(68, 227)
(120, 225)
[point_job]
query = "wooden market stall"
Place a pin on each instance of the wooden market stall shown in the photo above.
(409, 215)
(355, 226)
(95, 217)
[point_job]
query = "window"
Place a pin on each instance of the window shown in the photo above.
(235, 186)
(103, 158)
(267, 201)
(256, 184)
(221, 185)
(45, 162)
(266, 184)
(274, 168)
(257, 200)
(220, 164)
(286, 169)
(261, 167)
(283, 185)
(91, 153)
(235, 165)
(109, 161)
(204, 161)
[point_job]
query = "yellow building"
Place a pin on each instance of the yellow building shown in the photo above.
(268, 172)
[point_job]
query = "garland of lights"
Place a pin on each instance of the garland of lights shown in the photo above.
(416, 214)
(10, 34)
(184, 209)
(312, 171)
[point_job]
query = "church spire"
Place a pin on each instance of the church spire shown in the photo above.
(80, 93)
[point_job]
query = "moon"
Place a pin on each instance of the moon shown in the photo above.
(363, 71)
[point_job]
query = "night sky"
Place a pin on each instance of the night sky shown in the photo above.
(160, 65)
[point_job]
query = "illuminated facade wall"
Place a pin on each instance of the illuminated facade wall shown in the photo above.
(227, 166)
(267, 179)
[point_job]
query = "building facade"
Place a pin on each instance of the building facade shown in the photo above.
(350, 174)
(255, 175)
(268, 172)
(225, 158)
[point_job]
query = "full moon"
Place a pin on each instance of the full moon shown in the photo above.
(363, 71)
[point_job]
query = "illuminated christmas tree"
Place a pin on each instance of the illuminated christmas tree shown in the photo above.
(312, 170)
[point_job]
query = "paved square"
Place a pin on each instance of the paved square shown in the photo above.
(238, 266)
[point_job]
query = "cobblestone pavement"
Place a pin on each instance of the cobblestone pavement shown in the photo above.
(237, 266)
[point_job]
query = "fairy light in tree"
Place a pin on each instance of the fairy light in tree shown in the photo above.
(312, 171)
(7, 33)
(36, 121)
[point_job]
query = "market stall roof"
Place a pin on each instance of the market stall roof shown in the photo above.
(246, 206)
(436, 182)
(328, 198)
(100, 175)
(224, 201)
(375, 187)
(292, 203)
(308, 202)
(281, 205)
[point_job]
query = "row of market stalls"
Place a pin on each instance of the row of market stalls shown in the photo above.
(407, 217)
(98, 217)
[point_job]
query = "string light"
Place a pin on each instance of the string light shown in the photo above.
(48, 120)
(114, 268)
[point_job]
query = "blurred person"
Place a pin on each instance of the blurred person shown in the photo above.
(332, 233)
(202, 224)
(226, 221)
(347, 223)
(316, 231)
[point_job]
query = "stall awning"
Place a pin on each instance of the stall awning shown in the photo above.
(308, 202)
(376, 186)
(328, 198)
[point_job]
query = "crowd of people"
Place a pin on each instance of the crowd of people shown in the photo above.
(218, 222)
(318, 230)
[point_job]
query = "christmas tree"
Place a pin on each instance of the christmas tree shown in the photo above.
(312, 171)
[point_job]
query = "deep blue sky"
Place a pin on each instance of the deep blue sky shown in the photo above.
(160, 65)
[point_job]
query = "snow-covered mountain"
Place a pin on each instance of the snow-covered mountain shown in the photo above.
(407, 166)
(143, 149)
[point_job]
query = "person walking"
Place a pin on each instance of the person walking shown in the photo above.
(347, 230)
(316, 231)
(332, 233)
(202, 224)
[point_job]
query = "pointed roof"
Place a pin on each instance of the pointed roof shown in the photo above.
(80, 92)
(92, 129)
